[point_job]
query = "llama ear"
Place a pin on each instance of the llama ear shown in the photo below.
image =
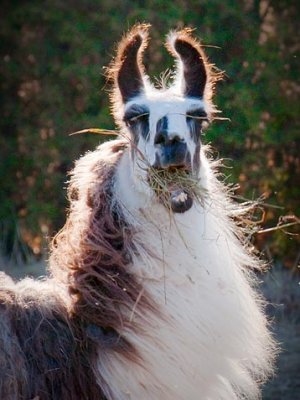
(127, 69)
(193, 66)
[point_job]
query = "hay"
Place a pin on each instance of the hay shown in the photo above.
(169, 185)
(164, 182)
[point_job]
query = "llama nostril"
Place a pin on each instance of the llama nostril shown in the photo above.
(175, 139)
(161, 138)
(164, 138)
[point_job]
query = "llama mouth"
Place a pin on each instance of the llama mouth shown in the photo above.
(181, 201)
(173, 186)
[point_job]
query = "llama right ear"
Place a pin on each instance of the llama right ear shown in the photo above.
(127, 69)
(193, 69)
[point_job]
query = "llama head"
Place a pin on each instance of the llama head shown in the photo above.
(164, 125)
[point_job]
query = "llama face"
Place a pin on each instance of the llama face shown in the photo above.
(164, 125)
(166, 129)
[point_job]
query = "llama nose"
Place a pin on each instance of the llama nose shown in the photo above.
(165, 138)
(171, 150)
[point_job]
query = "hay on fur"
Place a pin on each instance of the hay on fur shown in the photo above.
(162, 181)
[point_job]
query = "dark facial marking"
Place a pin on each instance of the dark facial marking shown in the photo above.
(188, 162)
(196, 159)
(162, 124)
(195, 119)
(136, 119)
(161, 131)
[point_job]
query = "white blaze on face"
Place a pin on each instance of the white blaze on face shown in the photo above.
(175, 108)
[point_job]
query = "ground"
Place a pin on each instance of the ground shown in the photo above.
(282, 290)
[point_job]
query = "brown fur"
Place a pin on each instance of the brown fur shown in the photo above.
(127, 69)
(44, 354)
(94, 247)
(51, 331)
(199, 75)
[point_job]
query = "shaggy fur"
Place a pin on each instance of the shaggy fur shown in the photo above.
(141, 303)
(94, 248)
(44, 353)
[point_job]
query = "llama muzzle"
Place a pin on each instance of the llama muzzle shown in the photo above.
(171, 151)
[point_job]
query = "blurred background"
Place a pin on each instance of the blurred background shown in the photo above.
(53, 55)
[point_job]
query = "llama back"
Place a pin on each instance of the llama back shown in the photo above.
(43, 352)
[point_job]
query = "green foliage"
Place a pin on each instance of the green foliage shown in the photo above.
(53, 56)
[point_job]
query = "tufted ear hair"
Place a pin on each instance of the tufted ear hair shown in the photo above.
(127, 69)
(193, 70)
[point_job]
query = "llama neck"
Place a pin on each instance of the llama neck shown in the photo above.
(143, 211)
(192, 267)
(202, 233)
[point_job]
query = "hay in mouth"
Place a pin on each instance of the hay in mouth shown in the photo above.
(175, 187)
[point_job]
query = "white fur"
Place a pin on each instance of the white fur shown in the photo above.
(170, 104)
(209, 339)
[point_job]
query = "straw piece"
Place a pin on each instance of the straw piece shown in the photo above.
(164, 181)
(98, 131)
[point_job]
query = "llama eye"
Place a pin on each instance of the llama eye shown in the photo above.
(196, 117)
(199, 117)
(140, 117)
(131, 120)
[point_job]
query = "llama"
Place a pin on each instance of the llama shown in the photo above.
(143, 301)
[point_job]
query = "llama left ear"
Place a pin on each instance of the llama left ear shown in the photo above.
(127, 68)
(193, 66)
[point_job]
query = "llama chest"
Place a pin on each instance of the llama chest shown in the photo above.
(207, 338)
(186, 346)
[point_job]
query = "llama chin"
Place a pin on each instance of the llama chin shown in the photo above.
(145, 299)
